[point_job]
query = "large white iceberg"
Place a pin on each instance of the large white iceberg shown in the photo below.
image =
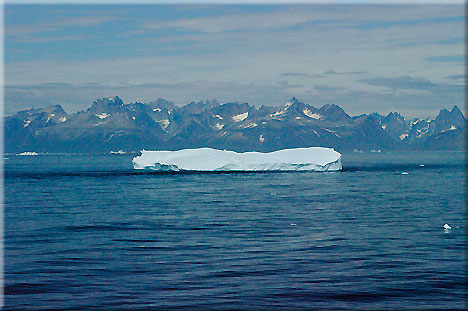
(207, 159)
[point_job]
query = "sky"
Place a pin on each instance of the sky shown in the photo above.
(364, 57)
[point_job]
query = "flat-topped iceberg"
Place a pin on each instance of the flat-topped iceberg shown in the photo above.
(207, 159)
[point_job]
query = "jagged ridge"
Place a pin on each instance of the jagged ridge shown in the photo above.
(109, 124)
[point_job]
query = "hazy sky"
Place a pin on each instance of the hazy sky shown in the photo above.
(364, 58)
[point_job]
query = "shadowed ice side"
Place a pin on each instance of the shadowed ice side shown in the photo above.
(206, 159)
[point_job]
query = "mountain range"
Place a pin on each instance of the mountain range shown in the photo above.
(110, 125)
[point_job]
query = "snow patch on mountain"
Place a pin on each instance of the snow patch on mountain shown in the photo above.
(250, 125)
(240, 117)
(112, 135)
(333, 132)
(421, 133)
(164, 123)
(102, 115)
(278, 113)
(312, 115)
(450, 129)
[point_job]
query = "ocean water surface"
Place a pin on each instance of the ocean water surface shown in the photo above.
(89, 232)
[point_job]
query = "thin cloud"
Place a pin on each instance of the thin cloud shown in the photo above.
(296, 74)
(333, 72)
(237, 22)
(47, 32)
(420, 84)
(447, 58)
(356, 16)
(456, 77)
(404, 82)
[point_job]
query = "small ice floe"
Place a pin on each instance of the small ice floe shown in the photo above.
(292, 224)
(421, 165)
(28, 153)
(447, 228)
(404, 173)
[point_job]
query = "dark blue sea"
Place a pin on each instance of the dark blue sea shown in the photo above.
(91, 233)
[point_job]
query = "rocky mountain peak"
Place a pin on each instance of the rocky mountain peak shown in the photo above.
(57, 109)
(106, 105)
(334, 112)
(456, 113)
(294, 100)
(162, 104)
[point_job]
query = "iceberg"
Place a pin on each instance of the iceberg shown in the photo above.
(208, 159)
